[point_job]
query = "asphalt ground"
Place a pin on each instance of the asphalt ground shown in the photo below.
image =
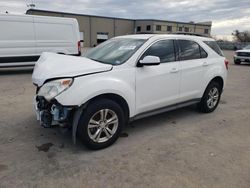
(182, 148)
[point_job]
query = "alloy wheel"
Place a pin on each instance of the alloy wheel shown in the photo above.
(213, 97)
(102, 125)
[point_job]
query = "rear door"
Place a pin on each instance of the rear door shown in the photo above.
(158, 86)
(193, 65)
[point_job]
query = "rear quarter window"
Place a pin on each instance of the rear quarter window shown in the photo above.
(191, 50)
(214, 46)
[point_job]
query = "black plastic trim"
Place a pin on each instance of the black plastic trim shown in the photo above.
(165, 109)
(22, 59)
(16, 59)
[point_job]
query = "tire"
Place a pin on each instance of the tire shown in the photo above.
(237, 62)
(93, 128)
(211, 98)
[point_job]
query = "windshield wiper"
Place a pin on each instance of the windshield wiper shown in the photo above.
(95, 60)
(98, 60)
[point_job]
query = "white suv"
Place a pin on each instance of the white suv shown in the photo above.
(124, 79)
(242, 55)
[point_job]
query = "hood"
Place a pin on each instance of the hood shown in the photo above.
(243, 50)
(51, 65)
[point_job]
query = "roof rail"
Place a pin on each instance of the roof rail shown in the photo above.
(193, 34)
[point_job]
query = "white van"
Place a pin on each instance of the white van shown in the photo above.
(23, 38)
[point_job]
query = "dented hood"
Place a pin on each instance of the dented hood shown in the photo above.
(51, 65)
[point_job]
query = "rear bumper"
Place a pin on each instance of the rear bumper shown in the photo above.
(52, 113)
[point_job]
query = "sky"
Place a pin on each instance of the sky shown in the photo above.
(226, 15)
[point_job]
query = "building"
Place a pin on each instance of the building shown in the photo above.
(96, 29)
(163, 26)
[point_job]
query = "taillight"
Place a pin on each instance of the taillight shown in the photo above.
(79, 46)
(226, 63)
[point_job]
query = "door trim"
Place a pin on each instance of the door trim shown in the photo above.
(165, 109)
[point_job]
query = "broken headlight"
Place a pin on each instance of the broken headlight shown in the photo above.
(53, 88)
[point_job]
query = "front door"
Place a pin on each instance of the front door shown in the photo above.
(158, 86)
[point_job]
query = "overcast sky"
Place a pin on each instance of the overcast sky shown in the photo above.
(226, 15)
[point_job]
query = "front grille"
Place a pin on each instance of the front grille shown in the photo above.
(244, 54)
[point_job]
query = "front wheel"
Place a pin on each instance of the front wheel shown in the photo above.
(101, 124)
(211, 98)
(237, 62)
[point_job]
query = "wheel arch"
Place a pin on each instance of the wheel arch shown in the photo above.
(202, 105)
(219, 80)
(115, 97)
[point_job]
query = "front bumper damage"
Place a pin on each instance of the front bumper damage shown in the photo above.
(51, 113)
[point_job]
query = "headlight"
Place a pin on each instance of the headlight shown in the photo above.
(54, 88)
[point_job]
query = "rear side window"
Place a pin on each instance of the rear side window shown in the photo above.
(214, 46)
(163, 49)
(191, 50)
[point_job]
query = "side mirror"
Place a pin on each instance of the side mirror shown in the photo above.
(150, 60)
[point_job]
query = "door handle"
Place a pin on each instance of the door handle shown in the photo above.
(204, 64)
(174, 70)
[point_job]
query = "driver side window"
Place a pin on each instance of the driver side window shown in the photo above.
(163, 49)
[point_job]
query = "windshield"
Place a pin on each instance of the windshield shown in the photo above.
(115, 51)
(247, 47)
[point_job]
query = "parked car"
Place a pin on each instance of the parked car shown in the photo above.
(242, 55)
(23, 38)
(124, 79)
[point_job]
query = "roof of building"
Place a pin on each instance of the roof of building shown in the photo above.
(76, 14)
(154, 20)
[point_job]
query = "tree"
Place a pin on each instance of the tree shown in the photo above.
(243, 36)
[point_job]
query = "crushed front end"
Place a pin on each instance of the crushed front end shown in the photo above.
(49, 111)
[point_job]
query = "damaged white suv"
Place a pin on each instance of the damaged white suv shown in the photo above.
(124, 79)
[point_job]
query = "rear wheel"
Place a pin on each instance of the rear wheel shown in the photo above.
(101, 124)
(211, 98)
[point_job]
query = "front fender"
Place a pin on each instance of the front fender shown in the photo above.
(87, 87)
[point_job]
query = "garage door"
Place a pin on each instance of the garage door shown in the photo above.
(101, 37)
